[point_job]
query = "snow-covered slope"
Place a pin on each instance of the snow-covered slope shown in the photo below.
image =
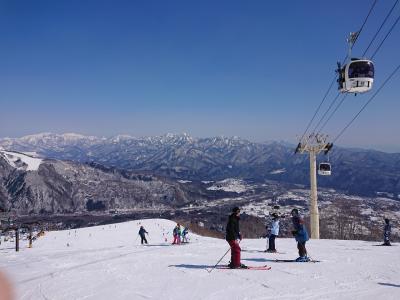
(21, 160)
(108, 262)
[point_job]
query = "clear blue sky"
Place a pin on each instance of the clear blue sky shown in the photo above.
(256, 69)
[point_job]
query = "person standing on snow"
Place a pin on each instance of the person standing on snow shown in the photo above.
(184, 235)
(233, 237)
(274, 232)
(142, 233)
(386, 233)
(301, 235)
(177, 234)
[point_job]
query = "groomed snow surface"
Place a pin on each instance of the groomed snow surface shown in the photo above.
(108, 262)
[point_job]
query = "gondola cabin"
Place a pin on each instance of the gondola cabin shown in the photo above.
(324, 169)
(357, 76)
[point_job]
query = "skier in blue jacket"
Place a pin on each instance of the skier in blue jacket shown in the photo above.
(301, 235)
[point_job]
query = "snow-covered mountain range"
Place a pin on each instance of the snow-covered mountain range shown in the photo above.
(180, 156)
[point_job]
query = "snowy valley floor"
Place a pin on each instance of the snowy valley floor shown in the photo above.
(106, 262)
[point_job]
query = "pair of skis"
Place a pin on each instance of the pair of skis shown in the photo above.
(293, 260)
(260, 268)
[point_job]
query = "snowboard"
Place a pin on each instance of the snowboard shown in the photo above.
(248, 268)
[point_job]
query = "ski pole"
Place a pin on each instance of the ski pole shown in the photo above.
(219, 261)
(136, 238)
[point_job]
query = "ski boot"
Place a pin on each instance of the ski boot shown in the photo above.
(303, 259)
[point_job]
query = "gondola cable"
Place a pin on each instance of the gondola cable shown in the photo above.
(383, 23)
(390, 30)
(334, 111)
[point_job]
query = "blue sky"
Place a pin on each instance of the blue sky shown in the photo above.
(255, 69)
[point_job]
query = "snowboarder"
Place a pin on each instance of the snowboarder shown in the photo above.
(184, 235)
(233, 237)
(386, 233)
(177, 234)
(301, 235)
(142, 233)
(273, 233)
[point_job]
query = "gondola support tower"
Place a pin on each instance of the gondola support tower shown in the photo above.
(314, 144)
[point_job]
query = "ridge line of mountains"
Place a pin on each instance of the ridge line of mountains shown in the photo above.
(173, 157)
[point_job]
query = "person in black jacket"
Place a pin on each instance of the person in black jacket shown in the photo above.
(386, 233)
(142, 233)
(233, 237)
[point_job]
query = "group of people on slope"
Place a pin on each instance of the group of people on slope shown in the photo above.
(180, 236)
(233, 236)
(299, 232)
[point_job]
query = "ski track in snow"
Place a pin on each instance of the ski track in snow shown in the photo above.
(108, 262)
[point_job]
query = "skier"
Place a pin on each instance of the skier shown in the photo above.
(273, 233)
(184, 235)
(386, 233)
(233, 237)
(177, 234)
(142, 233)
(301, 235)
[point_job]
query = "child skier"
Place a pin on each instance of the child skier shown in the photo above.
(233, 236)
(184, 235)
(386, 233)
(301, 235)
(177, 234)
(142, 233)
(273, 233)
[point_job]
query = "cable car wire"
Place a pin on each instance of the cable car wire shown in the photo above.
(329, 108)
(331, 115)
(359, 31)
(323, 100)
(366, 104)
(383, 23)
(365, 21)
(334, 79)
(390, 30)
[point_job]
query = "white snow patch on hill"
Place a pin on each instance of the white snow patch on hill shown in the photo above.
(108, 262)
(278, 171)
(229, 185)
(184, 181)
(29, 163)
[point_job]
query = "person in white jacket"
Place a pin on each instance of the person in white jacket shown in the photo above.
(274, 232)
